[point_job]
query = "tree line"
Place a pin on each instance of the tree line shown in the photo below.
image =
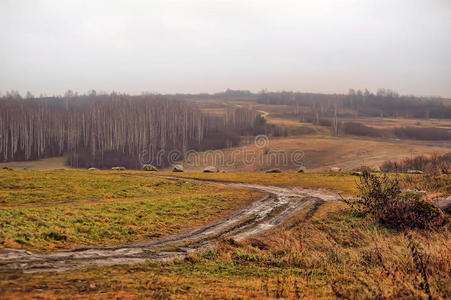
(107, 130)
(383, 103)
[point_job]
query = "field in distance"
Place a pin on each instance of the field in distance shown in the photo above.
(320, 152)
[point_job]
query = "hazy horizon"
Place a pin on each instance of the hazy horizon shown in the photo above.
(324, 46)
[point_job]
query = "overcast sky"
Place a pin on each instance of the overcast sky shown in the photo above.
(207, 46)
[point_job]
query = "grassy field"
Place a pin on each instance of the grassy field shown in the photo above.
(279, 113)
(386, 123)
(320, 152)
(333, 254)
(44, 210)
(42, 164)
(341, 182)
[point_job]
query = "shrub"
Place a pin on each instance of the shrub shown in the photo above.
(433, 163)
(359, 129)
(364, 169)
(429, 133)
(381, 198)
(415, 133)
(325, 122)
(274, 171)
(412, 213)
(375, 192)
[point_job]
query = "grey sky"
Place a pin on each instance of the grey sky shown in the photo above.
(208, 46)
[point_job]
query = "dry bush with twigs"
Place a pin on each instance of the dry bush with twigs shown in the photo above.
(374, 193)
(380, 197)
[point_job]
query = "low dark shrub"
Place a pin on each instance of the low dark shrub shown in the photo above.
(412, 213)
(274, 171)
(55, 236)
(380, 197)
(325, 122)
(359, 129)
(421, 133)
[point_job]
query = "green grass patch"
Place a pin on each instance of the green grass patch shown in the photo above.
(65, 209)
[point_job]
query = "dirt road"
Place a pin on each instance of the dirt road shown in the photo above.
(267, 213)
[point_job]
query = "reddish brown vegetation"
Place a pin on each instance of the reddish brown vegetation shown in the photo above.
(381, 198)
(412, 213)
(434, 163)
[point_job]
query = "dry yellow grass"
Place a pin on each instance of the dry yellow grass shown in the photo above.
(320, 153)
(335, 254)
(338, 182)
(42, 164)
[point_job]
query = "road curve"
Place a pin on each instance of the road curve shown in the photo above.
(267, 213)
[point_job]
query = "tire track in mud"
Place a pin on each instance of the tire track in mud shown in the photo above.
(262, 215)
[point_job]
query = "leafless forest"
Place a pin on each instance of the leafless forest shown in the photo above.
(103, 131)
(121, 130)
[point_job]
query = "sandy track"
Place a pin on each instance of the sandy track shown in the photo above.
(262, 215)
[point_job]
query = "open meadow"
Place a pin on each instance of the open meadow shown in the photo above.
(329, 251)
(63, 209)
(333, 254)
(315, 152)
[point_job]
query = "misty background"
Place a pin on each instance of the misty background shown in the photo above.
(129, 46)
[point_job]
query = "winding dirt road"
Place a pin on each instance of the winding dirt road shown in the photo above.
(262, 215)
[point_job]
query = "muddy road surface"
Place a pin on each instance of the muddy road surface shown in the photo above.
(267, 213)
